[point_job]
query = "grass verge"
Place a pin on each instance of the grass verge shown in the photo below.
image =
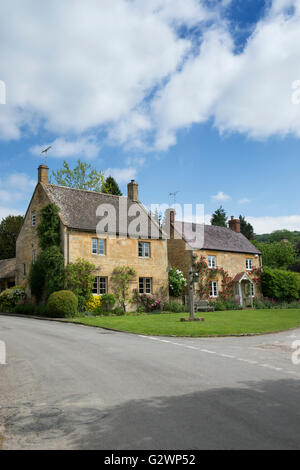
(235, 322)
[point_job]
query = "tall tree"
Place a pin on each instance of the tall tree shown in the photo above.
(9, 231)
(83, 176)
(246, 228)
(110, 186)
(278, 255)
(219, 217)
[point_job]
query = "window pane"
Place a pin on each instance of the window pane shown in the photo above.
(141, 285)
(103, 285)
(148, 285)
(94, 246)
(95, 286)
(140, 249)
(147, 250)
(101, 247)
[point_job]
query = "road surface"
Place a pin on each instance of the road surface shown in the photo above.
(68, 386)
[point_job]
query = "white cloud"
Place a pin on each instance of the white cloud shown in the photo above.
(220, 196)
(84, 146)
(121, 175)
(125, 71)
(5, 211)
(244, 200)
(15, 187)
(269, 224)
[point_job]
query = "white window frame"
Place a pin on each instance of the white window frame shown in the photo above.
(96, 246)
(142, 251)
(249, 264)
(252, 289)
(97, 285)
(146, 289)
(212, 262)
(214, 289)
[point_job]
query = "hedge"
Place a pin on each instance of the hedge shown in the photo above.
(280, 285)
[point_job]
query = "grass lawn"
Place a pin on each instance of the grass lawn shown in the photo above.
(216, 323)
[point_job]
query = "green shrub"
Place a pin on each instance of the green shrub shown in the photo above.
(47, 273)
(62, 304)
(98, 311)
(177, 282)
(9, 298)
(173, 307)
(25, 309)
(219, 305)
(80, 277)
(118, 311)
(280, 285)
(108, 302)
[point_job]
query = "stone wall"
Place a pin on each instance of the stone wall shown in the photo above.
(121, 252)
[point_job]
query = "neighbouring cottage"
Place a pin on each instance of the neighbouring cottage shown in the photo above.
(7, 273)
(227, 262)
(112, 245)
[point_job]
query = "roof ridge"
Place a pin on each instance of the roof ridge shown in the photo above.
(83, 190)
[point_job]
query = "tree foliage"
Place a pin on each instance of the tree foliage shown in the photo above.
(79, 278)
(83, 176)
(219, 217)
(246, 228)
(110, 186)
(177, 282)
(280, 285)
(277, 255)
(47, 273)
(48, 229)
(121, 278)
(10, 227)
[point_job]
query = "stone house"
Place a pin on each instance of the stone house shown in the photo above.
(100, 228)
(219, 247)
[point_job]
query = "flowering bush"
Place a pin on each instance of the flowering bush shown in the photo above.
(148, 301)
(9, 298)
(93, 303)
(177, 282)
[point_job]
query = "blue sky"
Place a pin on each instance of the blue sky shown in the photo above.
(190, 96)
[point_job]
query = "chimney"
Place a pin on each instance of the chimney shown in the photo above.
(234, 224)
(170, 221)
(43, 174)
(133, 190)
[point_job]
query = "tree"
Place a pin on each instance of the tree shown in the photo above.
(219, 217)
(47, 273)
(120, 279)
(110, 186)
(10, 227)
(246, 228)
(280, 285)
(279, 235)
(276, 255)
(83, 176)
(79, 278)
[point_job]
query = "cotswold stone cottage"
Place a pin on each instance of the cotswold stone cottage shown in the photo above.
(219, 247)
(106, 247)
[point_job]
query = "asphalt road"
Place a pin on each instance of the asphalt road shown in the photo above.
(74, 387)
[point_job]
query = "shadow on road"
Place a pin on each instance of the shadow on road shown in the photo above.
(257, 415)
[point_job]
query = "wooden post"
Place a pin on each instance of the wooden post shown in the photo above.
(191, 289)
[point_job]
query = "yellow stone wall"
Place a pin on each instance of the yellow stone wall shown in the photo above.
(233, 263)
(121, 252)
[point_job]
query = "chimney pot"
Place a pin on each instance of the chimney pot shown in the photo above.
(43, 174)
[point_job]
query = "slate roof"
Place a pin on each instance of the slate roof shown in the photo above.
(78, 208)
(8, 268)
(216, 238)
